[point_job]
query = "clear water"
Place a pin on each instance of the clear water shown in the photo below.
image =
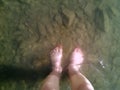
(29, 29)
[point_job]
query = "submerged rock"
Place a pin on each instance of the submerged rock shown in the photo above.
(99, 19)
(68, 17)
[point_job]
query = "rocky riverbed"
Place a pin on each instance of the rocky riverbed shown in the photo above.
(29, 29)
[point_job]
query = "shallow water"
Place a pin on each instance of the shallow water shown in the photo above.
(29, 29)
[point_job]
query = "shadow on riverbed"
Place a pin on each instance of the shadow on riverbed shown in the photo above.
(16, 73)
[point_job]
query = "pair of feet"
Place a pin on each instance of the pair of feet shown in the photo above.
(76, 59)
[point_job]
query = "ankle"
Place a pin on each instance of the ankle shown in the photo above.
(57, 69)
(73, 68)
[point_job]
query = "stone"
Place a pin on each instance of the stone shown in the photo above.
(99, 19)
(68, 17)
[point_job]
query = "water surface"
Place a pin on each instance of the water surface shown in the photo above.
(29, 29)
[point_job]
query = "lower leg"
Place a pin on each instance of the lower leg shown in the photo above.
(52, 81)
(78, 80)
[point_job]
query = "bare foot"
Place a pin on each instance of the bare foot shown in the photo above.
(56, 57)
(76, 59)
